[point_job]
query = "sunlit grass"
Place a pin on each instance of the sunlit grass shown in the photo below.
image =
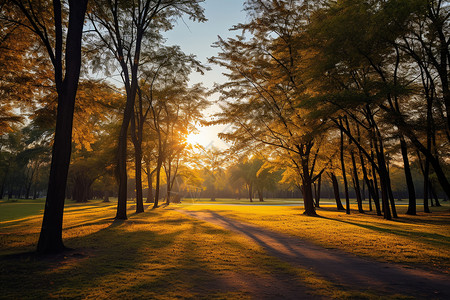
(416, 240)
(159, 254)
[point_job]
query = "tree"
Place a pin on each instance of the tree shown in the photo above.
(266, 88)
(63, 46)
(125, 28)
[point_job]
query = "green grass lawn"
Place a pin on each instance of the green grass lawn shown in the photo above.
(163, 254)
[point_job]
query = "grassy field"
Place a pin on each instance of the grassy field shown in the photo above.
(422, 240)
(163, 254)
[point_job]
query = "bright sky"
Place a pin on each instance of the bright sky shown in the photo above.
(197, 38)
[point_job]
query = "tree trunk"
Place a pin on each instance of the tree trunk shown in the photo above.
(336, 192)
(426, 182)
(250, 191)
(375, 194)
(150, 186)
(106, 197)
(433, 193)
(50, 239)
(317, 191)
(347, 199)
(260, 195)
(157, 184)
(391, 196)
(356, 184)
(138, 175)
(409, 180)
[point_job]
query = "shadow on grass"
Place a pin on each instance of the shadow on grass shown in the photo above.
(95, 260)
(337, 266)
(419, 236)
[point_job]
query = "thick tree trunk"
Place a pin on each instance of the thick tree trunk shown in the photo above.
(121, 213)
(336, 192)
(308, 200)
(50, 239)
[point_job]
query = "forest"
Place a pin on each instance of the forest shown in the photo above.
(338, 99)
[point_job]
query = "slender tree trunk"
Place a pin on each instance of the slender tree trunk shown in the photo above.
(317, 191)
(50, 239)
(391, 195)
(356, 184)
(347, 198)
(426, 182)
(157, 184)
(138, 175)
(434, 194)
(106, 197)
(336, 192)
(169, 187)
(150, 198)
(260, 195)
(250, 191)
(409, 180)
(376, 195)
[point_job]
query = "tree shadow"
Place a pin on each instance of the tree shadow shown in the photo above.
(337, 266)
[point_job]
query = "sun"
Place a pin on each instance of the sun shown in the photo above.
(194, 138)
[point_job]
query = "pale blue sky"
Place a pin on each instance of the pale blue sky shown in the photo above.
(197, 38)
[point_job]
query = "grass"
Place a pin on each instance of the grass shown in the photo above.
(159, 254)
(422, 240)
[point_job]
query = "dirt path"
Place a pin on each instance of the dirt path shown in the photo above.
(338, 266)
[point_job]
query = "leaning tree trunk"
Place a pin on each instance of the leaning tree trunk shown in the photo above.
(336, 192)
(50, 239)
(356, 184)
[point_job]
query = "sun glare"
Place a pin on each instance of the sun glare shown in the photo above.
(194, 138)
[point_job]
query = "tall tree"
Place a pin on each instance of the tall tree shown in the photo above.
(125, 28)
(267, 88)
(61, 36)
